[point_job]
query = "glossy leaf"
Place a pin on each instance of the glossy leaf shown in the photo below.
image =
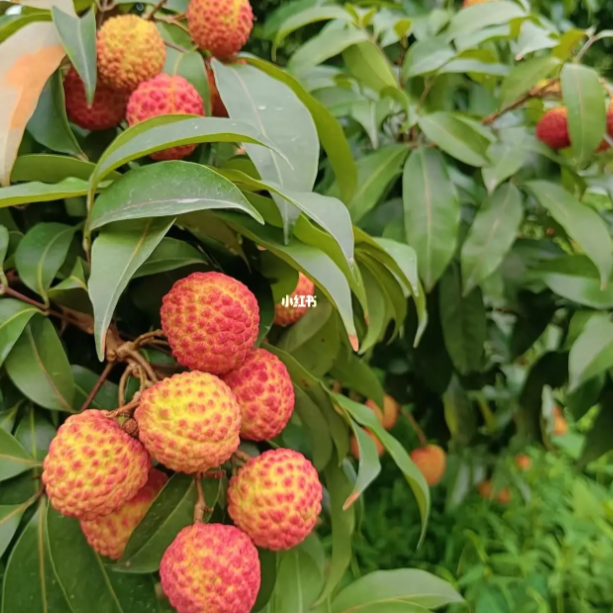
(14, 459)
(14, 316)
(118, 252)
(39, 367)
(316, 428)
(369, 465)
(369, 65)
(10, 516)
(592, 353)
(105, 398)
(170, 254)
(580, 222)
(27, 193)
(191, 66)
(491, 235)
(598, 440)
(35, 432)
(507, 158)
(431, 212)
(477, 17)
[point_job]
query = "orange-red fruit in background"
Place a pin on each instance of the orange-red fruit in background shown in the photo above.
(486, 490)
(286, 315)
(211, 321)
(431, 462)
(108, 106)
(218, 108)
(265, 394)
(355, 449)
(523, 462)
(165, 95)
(110, 534)
(389, 416)
(467, 3)
(560, 426)
(552, 129)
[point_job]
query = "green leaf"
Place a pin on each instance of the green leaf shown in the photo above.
(426, 56)
(407, 585)
(431, 212)
(49, 124)
(491, 235)
(4, 246)
(370, 66)
(268, 568)
(377, 310)
(170, 254)
(369, 465)
(480, 16)
(526, 75)
(580, 222)
(167, 189)
(598, 440)
(41, 253)
(118, 252)
(455, 136)
(10, 517)
(30, 583)
(463, 322)
(584, 99)
(39, 367)
(14, 459)
(592, 353)
(78, 37)
(316, 428)
(14, 316)
(50, 168)
(86, 580)
(474, 66)
(263, 101)
(27, 193)
(507, 158)
(105, 398)
(191, 67)
(171, 511)
(17, 22)
(329, 130)
(35, 432)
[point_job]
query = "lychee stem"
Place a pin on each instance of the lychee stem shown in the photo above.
(423, 441)
(242, 456)
(101, 379)
(200, 506)
(143, 338)
(137, 357)
(155, 9)
(121, 391)
(125, 409)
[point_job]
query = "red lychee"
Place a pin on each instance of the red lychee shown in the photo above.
(431, 461)
(552, 129)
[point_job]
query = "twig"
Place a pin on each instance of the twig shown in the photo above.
(511, 107)
(173, 22)
(423, 441)
(588, 43)
(101, 379)
(156, 8)
(5, 290)
(121, 391)
(143, 338)
(124, 410)
(242, 456)
(137, 357)
(200, 506)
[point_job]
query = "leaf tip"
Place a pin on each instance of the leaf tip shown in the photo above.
(349, 502)
(353, 341)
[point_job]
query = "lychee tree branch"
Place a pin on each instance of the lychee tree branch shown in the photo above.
(533, 93)
(423, 441)
(155, 9)
(101, 379)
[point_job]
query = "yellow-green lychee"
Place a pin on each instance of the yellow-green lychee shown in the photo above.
(220, 26)
(265, 394)
(165, 95)
(389, 416)
(189, 422)
(110, 534)
(286, 315)
(130, 50)
(107, 110)
(93, 467)
(211, 321)
(211, 568)
(552, 129)
(431, 461)
(276, 498)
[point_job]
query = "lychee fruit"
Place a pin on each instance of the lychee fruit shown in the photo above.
(93, 466)
(220, 26)
(211, 321)
(110, 534)
(355, 448)
(486, 490)
(286, 315)
(165, 95)
(265, 394)
(211, 568)
(130, 50)
(560, 426)
(189, 422)
(552, 129)
(107, 110)
(431, 461)
(523, 462)
(218, 108)
(276, 498)
(389, 416)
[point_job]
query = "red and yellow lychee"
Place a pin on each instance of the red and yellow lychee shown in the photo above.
(93, 466)
(211, 321)
(355, 448)
(189, 422)
(552, 129)
(276, 498)
(431, 461)
(286, 315)
(486, 491)
(107, 110)
(523, 462)
(220, 26)
(211, 568)
(389, 416)
(130, 50)
(218, 108)
(110, 534)
(165, 95)
(265, 394)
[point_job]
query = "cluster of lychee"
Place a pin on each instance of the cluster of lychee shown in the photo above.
(192, 423)
(131, 54)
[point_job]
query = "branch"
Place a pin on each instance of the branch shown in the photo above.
(156, 8)
(101, 379)
(200, 506)
(533, 93)
(423, 441)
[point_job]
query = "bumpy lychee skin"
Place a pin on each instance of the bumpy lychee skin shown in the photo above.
(552, 129)
(211, 321)
(211, 568)
(165, 95)
(265, 394)
(93, 466)
(355, 448)
(286, 315)
(130, 51)
(218, 108)
(108, 106)
(110, 534)
(276, 499)
(431, 461)
(189, 422)
(389, 416)
(221, 26)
